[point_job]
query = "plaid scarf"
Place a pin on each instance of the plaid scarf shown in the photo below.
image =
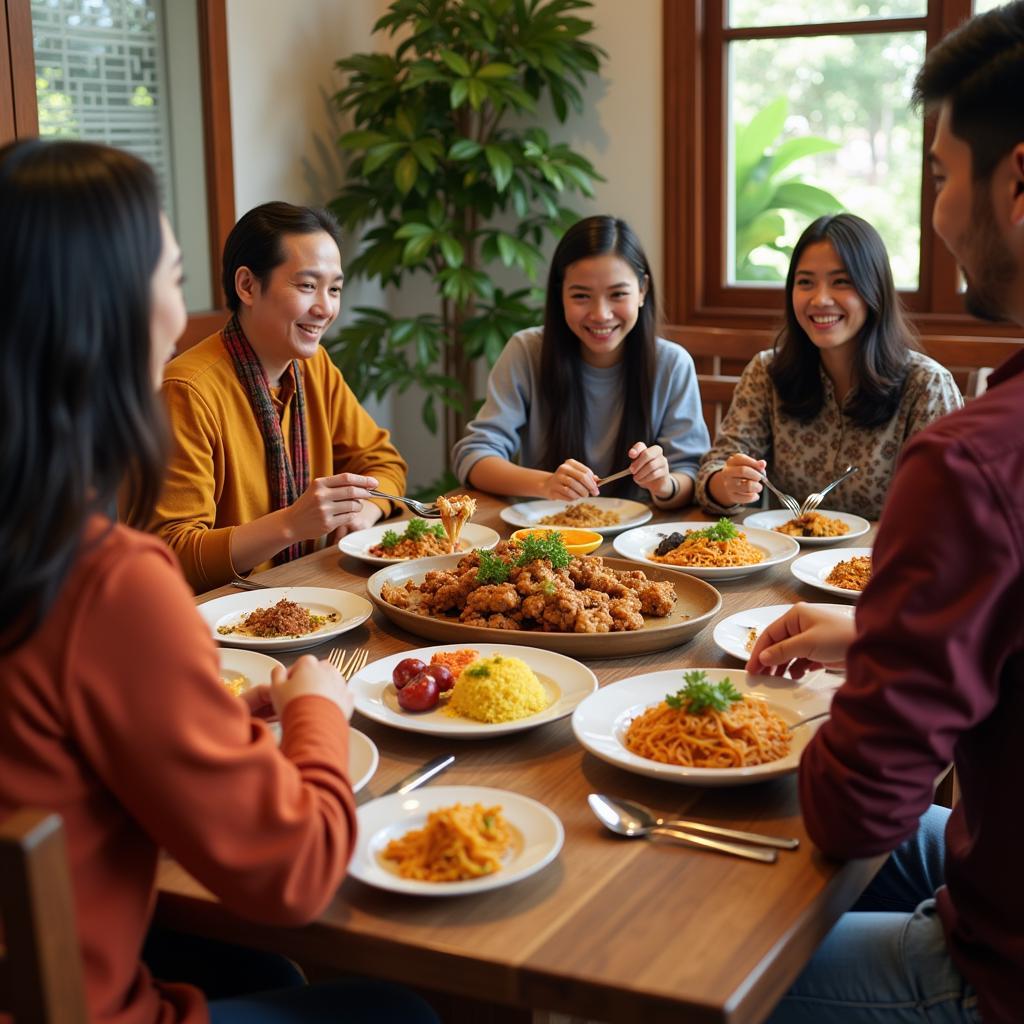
(288, 477)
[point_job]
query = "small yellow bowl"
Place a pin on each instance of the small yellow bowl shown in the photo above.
(577, 542)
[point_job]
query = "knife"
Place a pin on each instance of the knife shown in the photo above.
(422, 774)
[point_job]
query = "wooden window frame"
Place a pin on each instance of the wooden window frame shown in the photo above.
(694, 45)
(19, 119)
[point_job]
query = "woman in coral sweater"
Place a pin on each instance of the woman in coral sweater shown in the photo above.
(112, 712)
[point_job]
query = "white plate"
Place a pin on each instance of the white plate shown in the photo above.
(601, 721)
(254, 667)
(566, 681)
(362, 752)
(638, 545)
(813, 568)
(731, 632)
(358, 544)
(529, 513)
(776, 517)
(228, 610)
(538, 840)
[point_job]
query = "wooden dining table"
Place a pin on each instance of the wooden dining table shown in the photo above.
(615, 929)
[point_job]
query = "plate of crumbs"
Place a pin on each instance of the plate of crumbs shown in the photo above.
(605, 515)
(842, 571)
(709, 551)
(410, 539)
(816, 529)
(491, 838)
(494, 689)
(241, 669)
(587, 607)
(736, 634)
(633, 725)
(283, 618)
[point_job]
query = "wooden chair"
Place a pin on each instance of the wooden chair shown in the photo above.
(40, 963)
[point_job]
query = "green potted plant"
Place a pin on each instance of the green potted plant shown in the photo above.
(451, 174)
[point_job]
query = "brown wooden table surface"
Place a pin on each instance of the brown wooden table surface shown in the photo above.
(615, 929)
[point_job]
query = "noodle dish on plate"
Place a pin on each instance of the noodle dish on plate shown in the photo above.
(483, 699)
(603, 515)
(710, 551)
(841, 571)
(453, 840)
(388, 544)
(817, 529)
(283, 618)
(702, 727)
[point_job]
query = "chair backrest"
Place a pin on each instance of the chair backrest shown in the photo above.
(40, 966)
(720, 353)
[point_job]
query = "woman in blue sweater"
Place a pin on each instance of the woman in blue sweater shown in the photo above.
(594, 391)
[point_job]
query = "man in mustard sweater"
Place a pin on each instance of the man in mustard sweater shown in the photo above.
(271, 451)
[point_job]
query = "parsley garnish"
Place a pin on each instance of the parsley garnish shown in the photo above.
(493, 568)
(477, 671)
(724, 529)
(389, 540)
(550, 545)
(416, 530)
(699, 694)
(438, 531)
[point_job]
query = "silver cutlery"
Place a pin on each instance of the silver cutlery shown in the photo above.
(809, 718)
(422, 775)
(241, 584)
(614, 822)
(430, 511)
(815, 498)
(636, 815)
(788, 501)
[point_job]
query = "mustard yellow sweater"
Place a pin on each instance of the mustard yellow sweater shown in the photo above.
(217, 474)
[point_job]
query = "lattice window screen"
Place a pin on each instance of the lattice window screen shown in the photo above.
(101, 74)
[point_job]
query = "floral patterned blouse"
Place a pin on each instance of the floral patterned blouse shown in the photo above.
(803, 457)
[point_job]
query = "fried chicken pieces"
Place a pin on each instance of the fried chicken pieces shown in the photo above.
(584, 597)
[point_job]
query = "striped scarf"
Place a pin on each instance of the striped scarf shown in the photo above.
(288, 477)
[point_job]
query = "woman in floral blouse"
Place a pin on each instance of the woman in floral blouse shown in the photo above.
(844, 384)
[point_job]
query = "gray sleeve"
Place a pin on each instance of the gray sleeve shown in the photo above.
(496, 428)
(682, 432)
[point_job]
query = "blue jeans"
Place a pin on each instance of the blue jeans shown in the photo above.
(886, 961)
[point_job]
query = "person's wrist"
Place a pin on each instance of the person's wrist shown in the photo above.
(671, 494)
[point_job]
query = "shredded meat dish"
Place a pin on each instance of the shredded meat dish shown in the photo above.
(286, 618)
(583, 597)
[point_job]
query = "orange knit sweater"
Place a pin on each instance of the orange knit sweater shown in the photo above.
(113, 714)
(217, 475)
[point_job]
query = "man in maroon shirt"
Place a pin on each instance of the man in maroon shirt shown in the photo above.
(935, 662)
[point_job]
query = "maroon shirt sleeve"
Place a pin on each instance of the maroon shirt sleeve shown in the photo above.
(932, 639)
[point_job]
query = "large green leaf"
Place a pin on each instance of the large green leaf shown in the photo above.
(754, 138)
(809, 199)
(792, 150)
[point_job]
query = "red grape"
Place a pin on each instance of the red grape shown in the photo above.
(421, 694)
(405, 671)
(442, 676)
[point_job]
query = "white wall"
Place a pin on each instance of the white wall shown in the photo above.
(281, 63)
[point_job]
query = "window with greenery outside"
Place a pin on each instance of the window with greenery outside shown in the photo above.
(449, 174)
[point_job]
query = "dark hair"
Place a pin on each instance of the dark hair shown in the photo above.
(561, 361)
(80, 238)
(255, 241)
(979, 69)
(882, 349)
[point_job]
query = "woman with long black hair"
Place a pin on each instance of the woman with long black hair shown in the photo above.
(844, 384)
(112, 711)
(594, 391)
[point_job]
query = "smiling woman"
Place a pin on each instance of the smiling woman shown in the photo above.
(844, 385)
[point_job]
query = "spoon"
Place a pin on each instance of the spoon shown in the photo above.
(626, 823)
(809, 718)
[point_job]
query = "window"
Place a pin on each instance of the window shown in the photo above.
(778, 111)
(150, 77)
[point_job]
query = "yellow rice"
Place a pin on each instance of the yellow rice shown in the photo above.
(497, 689)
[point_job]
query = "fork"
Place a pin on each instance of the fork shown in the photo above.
(813, 500)
(355, 662)
(430, 511)
(787, 499)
